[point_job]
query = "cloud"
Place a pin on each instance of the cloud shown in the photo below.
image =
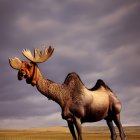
(52, 120)
(27, 24)
(114, 17)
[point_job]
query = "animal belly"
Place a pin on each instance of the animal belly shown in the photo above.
(95, 114)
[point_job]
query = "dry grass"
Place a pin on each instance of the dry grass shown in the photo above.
(62, 133)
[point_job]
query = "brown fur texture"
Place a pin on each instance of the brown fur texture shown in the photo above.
(78, 103)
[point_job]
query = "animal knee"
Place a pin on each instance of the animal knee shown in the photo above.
(66, 115)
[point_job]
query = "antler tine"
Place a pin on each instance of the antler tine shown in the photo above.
(15, 63)
(49, 51)
(37, 53)
(43, 56)
(39, 56)
(27, 54)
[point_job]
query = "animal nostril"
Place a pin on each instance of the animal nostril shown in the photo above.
(22, 71)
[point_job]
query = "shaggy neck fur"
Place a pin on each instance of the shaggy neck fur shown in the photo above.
(51, 90)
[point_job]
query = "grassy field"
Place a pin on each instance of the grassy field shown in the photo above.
(62, 133)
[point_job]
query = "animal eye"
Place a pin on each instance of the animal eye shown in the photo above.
(29, 66)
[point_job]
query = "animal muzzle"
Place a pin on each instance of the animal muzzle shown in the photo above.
(21, 74)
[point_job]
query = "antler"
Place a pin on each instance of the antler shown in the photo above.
(39, 57)
(15, 63)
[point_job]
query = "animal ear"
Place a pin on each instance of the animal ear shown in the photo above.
(15, 63)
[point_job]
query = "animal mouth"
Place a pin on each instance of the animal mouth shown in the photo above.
(20, 77)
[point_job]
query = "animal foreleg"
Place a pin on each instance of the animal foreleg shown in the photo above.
(71, 128)
(119, 125)
(78, 126)
(112, 129)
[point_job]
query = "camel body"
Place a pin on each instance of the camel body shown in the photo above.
(90, 105)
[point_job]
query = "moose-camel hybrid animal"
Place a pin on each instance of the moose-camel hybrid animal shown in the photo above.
(78, 103)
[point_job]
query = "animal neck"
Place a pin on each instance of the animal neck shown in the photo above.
(51, 90)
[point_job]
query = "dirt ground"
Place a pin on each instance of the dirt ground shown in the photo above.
(62, 133)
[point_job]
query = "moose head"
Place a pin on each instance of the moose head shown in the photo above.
(29, 70)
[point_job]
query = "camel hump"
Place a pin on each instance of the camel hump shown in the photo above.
(100, 83)
(73, 79)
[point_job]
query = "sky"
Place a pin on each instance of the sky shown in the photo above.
(97, 39)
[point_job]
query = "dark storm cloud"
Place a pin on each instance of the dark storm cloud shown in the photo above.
(96, 39)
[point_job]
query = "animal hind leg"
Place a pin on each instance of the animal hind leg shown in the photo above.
(117, 121)
(71, 128)
(112, 129)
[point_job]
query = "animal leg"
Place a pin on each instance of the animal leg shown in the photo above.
(112, 129)
(116, 119)
(71, 128)
(78, 126)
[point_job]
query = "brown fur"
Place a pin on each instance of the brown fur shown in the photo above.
(78, 103)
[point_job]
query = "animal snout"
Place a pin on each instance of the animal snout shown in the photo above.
(21, 74)
(22, 71)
